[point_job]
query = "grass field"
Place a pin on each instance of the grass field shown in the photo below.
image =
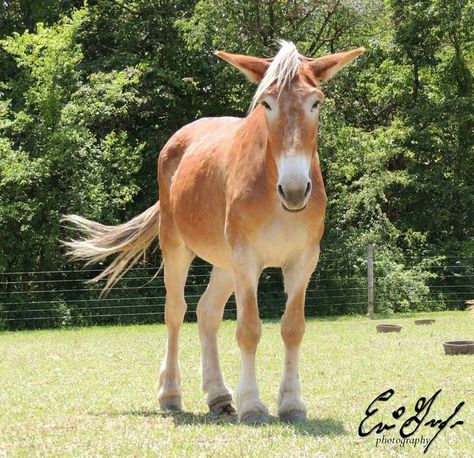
(90, 392)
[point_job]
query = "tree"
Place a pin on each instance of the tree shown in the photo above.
(62, 144)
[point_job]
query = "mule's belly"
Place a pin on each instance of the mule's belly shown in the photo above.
(198, 206)
(207, 241)
(202, 230)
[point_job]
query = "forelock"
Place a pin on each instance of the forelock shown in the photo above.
(282, 70)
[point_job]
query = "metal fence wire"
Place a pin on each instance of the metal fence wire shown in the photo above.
(354, 285)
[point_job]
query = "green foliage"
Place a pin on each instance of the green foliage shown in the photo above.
(88, 97)
(63, 145)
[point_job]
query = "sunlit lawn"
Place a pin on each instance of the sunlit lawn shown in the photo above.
(90, 392)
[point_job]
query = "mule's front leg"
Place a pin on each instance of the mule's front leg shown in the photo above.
(297, 274)
(250, 408)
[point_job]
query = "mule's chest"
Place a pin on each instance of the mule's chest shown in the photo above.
(282, 239)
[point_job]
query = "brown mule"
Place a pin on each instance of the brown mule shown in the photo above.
(242, 194)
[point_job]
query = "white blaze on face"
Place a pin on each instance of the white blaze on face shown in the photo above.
(294, 183)
(294, 170)
(300, 114)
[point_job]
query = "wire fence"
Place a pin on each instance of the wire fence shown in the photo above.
(58, 298)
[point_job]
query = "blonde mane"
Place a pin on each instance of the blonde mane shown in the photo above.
(285, 65)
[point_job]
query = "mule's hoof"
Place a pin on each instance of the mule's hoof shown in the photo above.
(253, 413)
(171, 404)
(293, 416)
(222, 405)
(254, 419)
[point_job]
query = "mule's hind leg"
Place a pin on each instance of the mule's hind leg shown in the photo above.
(209, 312)
(296, 274)
(176, 265)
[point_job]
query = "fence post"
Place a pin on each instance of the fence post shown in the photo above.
(370, 280)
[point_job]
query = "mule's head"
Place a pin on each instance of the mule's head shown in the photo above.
(289, 94)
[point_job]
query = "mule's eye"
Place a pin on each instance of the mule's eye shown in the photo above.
(316, 105)
(266, 105)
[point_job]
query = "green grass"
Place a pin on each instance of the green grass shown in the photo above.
(90, 392)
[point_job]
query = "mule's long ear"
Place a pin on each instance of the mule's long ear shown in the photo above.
(324, 68)
(253, 68)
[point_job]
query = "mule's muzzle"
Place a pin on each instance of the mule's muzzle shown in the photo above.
(293, 211)
(294, 198)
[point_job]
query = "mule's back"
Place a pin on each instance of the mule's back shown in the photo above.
(201, 137)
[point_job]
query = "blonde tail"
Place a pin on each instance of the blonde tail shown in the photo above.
(129, 241)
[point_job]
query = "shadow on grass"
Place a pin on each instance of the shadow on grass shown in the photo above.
(311, 427)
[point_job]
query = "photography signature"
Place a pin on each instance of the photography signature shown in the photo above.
(413, 423)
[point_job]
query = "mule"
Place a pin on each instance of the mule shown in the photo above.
(242, 194)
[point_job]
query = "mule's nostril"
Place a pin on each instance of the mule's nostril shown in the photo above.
(280, 191)
(308, 189)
